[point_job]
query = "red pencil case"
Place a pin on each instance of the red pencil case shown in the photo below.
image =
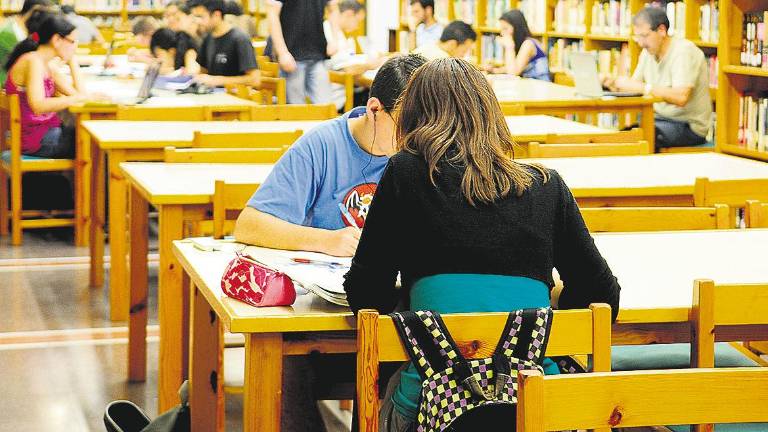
(248, 280)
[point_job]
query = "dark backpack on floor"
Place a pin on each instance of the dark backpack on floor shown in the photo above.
(125, 416)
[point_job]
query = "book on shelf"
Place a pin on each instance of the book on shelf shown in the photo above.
(712, 64)
(570, 16)
(753, 114)
(492, 50)
(754, 51)
(676, 16)
(494, 10)
(144, 5)
(535, 12)
(560, 50)
(709, 25)
(464, 10)
(611, 17)
(613, 62)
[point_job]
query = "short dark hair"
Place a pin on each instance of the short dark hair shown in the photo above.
(352, 5)
(211, 5)
(29, 4)
(425, 4)
(144, 25)
(654, 16)
(392, 77)
(232, 7)
(458, 31)
(163, 38)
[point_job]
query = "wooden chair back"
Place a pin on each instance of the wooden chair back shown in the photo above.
(513, 109)
(641, 398)
(228, 200)
(191, 113)
(756, 215)
(245, 139)
(573, 332)
(538, 150)
(630, 136)
(270, 90)
(13, 165)
(267, 67)
(293, 112)
(348, 81)
(735, 193)
(633, 219)
(223, 155)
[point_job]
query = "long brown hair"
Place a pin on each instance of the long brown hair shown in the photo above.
(449, 111)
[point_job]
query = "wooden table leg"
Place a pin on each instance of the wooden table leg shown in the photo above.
(206, 389)
(171, 304)
(137, 324)
(263, 382)
(648, 124)
(82, 182)
(118, 273)
(96, 223)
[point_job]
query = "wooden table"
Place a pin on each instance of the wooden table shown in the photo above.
(543, 97)
(648, 180)
(656, 272)
(144, 141)
(89, 159)
(180, 193)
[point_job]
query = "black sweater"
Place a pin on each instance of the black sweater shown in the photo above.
(421, 230)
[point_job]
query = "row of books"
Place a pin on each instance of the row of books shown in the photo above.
(535, 12)
(464, 10)
(560, 50)
(494, 10)
(146, 4)
(709, 22)
(676, 15)
(615, 61)
(95, 5)
(753, 119)
(754, 51)
(492, 49)
(611, 17)
(569, 16)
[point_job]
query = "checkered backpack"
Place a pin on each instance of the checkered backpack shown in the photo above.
(458, 394)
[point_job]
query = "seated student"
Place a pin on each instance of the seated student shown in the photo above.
(467, 228)
(675, 70)
(142, 30)
(345, 58)
(523, 55)
(338, 162)
(234, 15)
(177, 18)
(31, 76)
(87, 31)
(423, 28)
(456, 41)
(173, 55)
(15, 29)
(226, 56)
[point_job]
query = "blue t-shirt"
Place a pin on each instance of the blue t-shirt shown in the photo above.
(323, 168)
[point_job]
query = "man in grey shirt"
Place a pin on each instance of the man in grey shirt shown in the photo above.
(675, 70)
(87, 31)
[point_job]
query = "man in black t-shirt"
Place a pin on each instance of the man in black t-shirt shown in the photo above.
(296, 29)
(226, 55)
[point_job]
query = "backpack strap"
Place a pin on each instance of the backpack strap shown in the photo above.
(419, 343)
(526, 334)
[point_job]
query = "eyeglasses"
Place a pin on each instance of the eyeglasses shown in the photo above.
(641, 36)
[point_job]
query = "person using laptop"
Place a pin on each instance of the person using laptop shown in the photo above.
(675, 70)
(456, 41)
(226, 55)
(523, 55)
(32, 76)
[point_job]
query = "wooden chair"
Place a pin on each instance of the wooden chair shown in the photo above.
(228, 200)
(513, 109)
(192, 113)
(645, 398)
(630, 136)
(733, 193)
(293, 112)
(245, 140)
(348, 81)
(13, 165)
(223, 155)
(573, 332)
(756, 215)
(537, 150)
(633, 219)
(269, 90)
(267, 67)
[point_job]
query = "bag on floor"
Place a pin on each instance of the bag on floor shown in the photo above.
(125, 416)
(471, 395)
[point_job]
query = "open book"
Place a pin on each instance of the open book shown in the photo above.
(317, 273)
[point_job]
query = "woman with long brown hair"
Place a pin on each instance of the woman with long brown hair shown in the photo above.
(468, 228)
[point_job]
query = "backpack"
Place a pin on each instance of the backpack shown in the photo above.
(458, 394)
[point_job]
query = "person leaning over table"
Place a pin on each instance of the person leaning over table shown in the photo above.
(675, 70)
(297, 207)
(467, 228)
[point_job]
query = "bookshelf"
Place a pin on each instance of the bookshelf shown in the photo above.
(742, 91)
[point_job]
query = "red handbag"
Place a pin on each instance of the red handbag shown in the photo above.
(248, 280)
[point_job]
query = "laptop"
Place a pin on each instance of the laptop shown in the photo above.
(145, 91)
(584, 68)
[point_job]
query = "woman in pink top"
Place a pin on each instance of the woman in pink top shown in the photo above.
(43, 90)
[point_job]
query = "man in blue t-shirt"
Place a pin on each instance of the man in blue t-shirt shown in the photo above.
(337, 163)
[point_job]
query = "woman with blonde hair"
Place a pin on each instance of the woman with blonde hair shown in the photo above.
(467, 228)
